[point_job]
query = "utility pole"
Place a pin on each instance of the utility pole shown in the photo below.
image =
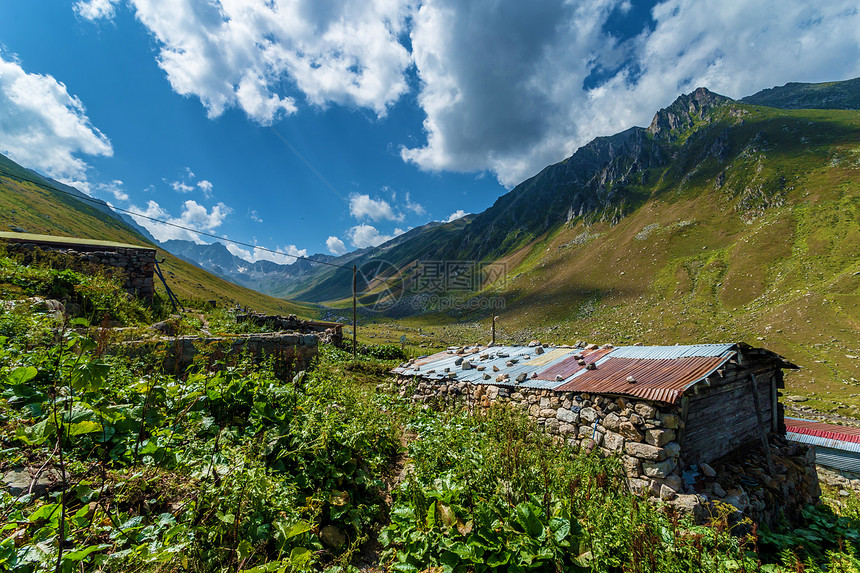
(354, 321)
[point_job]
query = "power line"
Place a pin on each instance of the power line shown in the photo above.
(85, 197)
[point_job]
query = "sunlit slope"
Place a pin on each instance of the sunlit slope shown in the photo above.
(36, 208)
(762, 246)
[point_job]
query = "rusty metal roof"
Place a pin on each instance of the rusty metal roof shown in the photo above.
(569, 364)
(821, 434)
(657, 379)
(660, 373)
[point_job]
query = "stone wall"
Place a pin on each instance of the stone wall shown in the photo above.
(644, 435)
(641, 433)
(137, 264)
(291, 352)
(330, 332)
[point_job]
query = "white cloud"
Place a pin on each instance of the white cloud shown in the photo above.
(335, 246)
(458, 214)
(364, 235)
(363, 207)
(507, 86)
(416, 208)
(194, 216)
(45, 128)
(283, 255)
(115, 189)
(188, 184)
(95, 9)
(502, 82)
(181, 187)
(205, 186)
(254, 216)
(257, 55)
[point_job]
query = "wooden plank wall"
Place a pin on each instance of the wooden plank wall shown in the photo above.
(721, 418)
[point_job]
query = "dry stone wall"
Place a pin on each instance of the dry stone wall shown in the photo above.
(646, 437)
(291, 352)
(137, 264)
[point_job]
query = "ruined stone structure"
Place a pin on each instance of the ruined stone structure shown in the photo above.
(330, 332)
(137, 263)
(668, 413)
(291, 352)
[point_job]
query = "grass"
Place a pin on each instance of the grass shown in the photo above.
(41, 210)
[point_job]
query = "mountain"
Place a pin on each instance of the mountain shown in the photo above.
(264, 276)
(274, 279)
(829, 95)
(614, 176)
(30, 202)
(721, 220)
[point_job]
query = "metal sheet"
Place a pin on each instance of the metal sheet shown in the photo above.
(672, 352)
(822, 434)
(568, 366)
(661, 373)
(817, 441)
(837, 459)
(661, 380)
(552, 356)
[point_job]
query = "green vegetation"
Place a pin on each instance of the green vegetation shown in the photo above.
(40, 209)
(130, 469)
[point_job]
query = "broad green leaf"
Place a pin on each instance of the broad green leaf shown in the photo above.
(244, 550)
(21, 375)
(85, 427)
(530, 522)
(431, 516)
(299, 556)
(81, 554)
(288, 531)
(90, 376)
(47, 511)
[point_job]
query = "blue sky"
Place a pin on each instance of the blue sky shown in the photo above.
(322, 126)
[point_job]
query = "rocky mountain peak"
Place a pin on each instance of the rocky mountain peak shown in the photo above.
(685, 112)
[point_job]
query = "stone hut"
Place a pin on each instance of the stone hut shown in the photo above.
(137, 262)
(666, 411)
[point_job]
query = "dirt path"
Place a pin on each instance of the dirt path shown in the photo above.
(367, 560)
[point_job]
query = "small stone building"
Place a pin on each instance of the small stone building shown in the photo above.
(136, 262)
(667, 411)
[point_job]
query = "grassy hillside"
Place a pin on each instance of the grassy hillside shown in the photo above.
(751, 232)
(763, 247)
(36, 208)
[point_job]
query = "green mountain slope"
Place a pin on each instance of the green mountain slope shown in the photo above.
(35, 204)
(829, 95)
(720, 221)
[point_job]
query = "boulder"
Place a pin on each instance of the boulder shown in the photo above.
(611, 421)
(644, 451)
(588, 415)
(658, 437)
(565, 415)
(658, 469)
(629, 431)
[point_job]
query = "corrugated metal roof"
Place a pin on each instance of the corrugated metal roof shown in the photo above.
(434, 367)
(661, 373)
(569, 364)
(837, 459)
(658, 379)
(672, 352)
(820, 434)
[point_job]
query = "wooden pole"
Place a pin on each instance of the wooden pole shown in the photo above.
(761, 428)
(354, 320)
